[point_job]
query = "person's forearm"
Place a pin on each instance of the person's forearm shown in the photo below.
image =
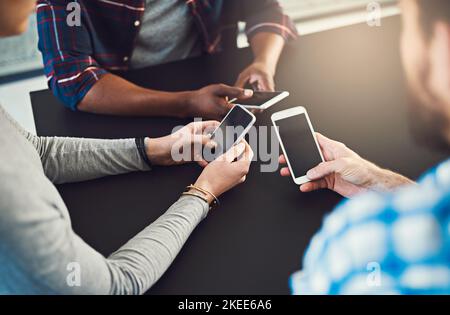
(267, 48)
(77, 159)
(116, 96)
(137, 265)
(386, 180)
(74, 159)
(45, 246)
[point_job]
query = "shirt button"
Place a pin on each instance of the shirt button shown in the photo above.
(125, 58)
(137, 23)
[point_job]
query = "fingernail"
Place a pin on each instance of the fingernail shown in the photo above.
(310, 174)
(248, 92)
(211, 144)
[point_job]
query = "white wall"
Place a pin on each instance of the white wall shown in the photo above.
(15, 98)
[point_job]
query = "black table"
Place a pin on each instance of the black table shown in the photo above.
(351, 82)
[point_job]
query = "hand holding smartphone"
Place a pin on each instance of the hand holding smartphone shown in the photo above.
(298, 142)
(262, 100)
(231, 131)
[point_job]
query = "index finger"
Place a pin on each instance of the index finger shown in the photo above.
(324, 141)
(248, 154)
(235, 152)
(209, 125)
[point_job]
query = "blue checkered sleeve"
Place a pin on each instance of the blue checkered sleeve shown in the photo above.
(396, 243)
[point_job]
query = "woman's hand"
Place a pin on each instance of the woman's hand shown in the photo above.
(227, 170)
(345, 172)
(183, 146)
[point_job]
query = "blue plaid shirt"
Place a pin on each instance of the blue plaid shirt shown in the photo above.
(396, 243)
(75, 57)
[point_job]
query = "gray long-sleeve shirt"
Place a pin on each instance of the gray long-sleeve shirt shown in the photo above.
(39, 251)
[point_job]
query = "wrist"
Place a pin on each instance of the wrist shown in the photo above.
(156, 150)
(205, 185)
(208, 197)
(266, 64)
(386, 180)
(186, 104)
(375, 176)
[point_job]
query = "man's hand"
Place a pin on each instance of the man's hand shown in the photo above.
(259, 75)
(183, 146)
(345, 172)
(211, 102)
(116, 96)
(267, 48)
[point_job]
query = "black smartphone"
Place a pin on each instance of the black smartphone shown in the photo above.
(231, 131)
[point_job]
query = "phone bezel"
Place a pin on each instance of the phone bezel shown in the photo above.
(299, 110)
(246, 129)
(269, 103)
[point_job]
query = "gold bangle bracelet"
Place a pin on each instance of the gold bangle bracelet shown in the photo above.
(200, 190)
(203, 191)
(187, 193)
(215, 202)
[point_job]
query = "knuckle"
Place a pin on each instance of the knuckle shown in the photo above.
(245, 169)
(344, 162)
(341, 145)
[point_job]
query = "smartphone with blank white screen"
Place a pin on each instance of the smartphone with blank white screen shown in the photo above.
(231, 131)
(262, 100)
(298, 142)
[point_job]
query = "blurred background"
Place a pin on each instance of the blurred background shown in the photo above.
(21, 64)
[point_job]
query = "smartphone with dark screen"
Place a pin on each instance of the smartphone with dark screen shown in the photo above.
(298, 142)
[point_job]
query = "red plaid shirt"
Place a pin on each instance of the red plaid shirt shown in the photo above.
(75, 57)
